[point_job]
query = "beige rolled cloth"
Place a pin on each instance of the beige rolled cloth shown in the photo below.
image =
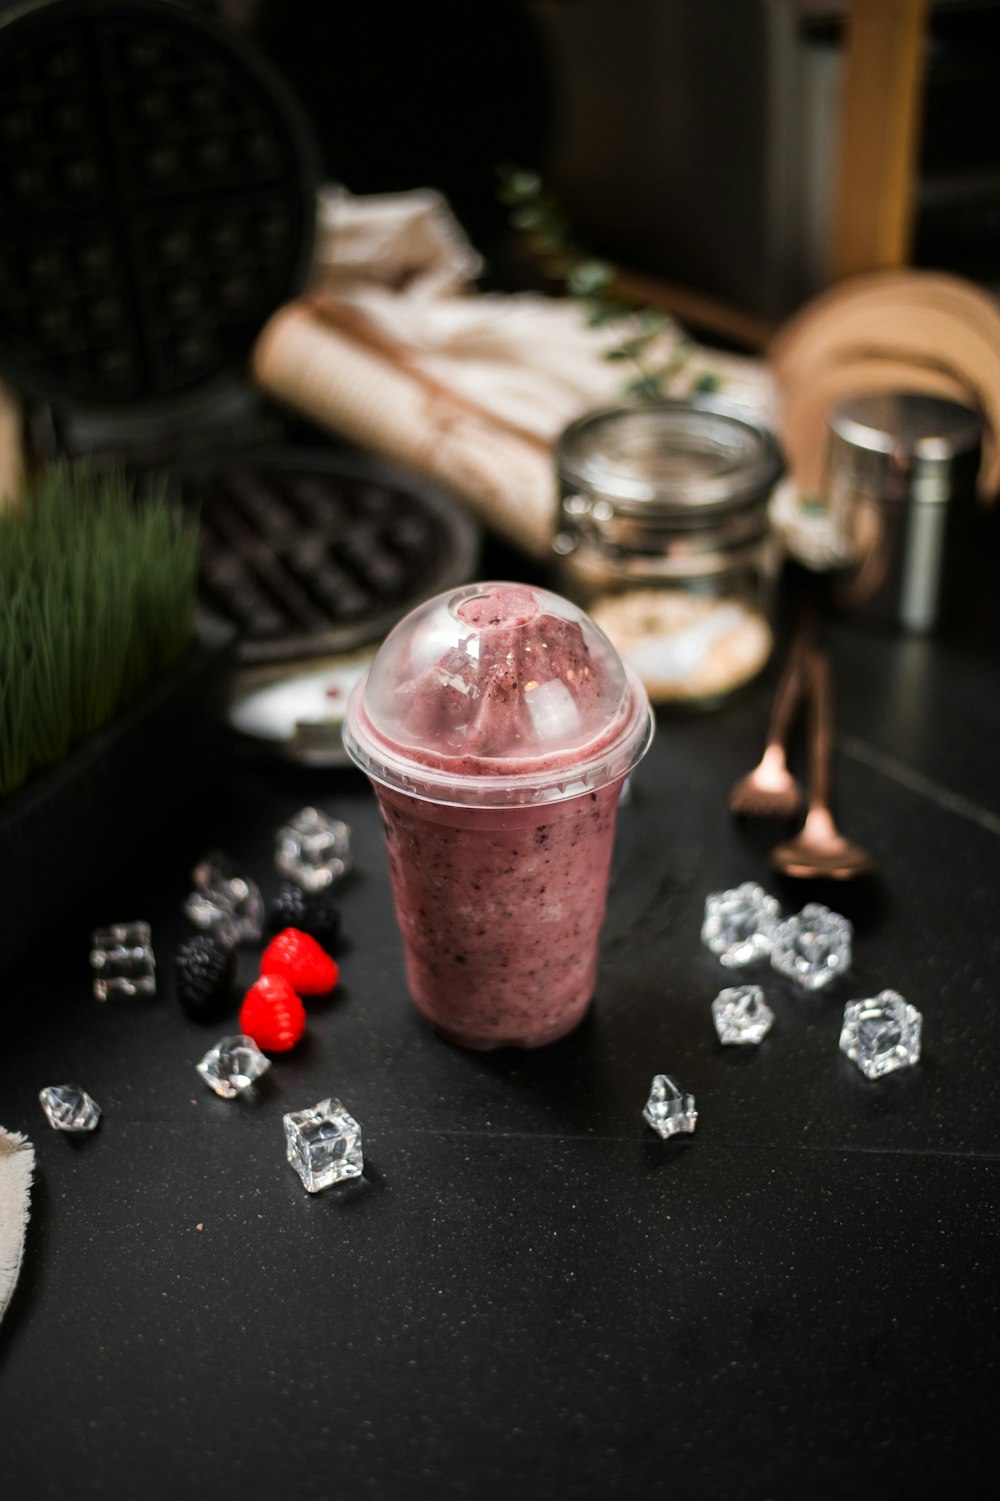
(395, 350)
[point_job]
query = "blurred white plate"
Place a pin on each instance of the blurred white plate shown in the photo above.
(299, 714)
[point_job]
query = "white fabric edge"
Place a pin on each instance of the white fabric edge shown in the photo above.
(17, 1166)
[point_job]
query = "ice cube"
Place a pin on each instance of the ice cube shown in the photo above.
(233, 1065)
(69, 1108)
(668, 1110)
(742, 1015)
(121, 956)
(225, 902)
(739, 924)
(813, 947)
(323, 1145)
(313, 849)
(881, 1034)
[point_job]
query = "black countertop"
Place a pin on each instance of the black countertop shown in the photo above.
(529, 1293)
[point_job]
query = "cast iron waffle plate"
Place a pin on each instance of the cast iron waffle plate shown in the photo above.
(157, 195)
(309, 552)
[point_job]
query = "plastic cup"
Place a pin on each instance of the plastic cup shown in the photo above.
(497, 724)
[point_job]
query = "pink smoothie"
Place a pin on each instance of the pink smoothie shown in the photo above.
(497, 728)
(500, 912)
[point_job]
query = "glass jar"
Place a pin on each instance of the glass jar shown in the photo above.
(664, 536)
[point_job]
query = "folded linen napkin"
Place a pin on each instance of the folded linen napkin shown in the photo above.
(17, 1163)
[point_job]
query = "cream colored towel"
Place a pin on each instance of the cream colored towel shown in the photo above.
(17, 1163)
(395, 350)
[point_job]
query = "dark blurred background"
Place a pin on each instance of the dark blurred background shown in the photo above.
(693, 139)
(406, 96)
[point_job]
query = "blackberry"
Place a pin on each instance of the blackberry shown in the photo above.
(204, 971)
(313, 913)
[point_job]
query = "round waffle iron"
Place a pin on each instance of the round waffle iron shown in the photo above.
(157, 193)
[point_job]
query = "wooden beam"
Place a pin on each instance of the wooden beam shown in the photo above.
(879, 135)
(699, 311)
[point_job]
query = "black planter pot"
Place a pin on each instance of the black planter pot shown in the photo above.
(68, 831)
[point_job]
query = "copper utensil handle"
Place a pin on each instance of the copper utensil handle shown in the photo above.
(820, 729)
(790, 685)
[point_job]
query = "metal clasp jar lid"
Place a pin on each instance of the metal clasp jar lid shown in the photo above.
(683, 465)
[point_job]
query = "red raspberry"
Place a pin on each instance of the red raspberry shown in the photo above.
(272, 1014)
(301, 960)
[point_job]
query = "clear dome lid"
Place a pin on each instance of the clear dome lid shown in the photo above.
(496, 695)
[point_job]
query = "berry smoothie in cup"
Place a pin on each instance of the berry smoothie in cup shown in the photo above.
(497, 724)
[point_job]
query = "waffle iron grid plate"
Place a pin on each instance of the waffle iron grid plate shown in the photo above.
(157, 193)
(157, 196)
(310, 551)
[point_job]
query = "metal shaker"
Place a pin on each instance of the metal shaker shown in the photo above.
(900, 483)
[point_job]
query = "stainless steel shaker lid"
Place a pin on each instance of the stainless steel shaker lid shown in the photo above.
(889, 442)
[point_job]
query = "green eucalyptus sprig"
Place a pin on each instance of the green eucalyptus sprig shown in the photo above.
(594, 282)
(97, 597)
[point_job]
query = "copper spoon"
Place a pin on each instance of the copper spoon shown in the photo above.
(770, 790)
(819, 849)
